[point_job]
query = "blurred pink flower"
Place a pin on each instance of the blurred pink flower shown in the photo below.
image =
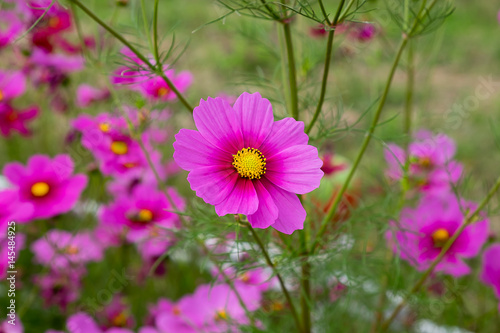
(10, 27)
(420, 234)
(155, 88)
(86, 95)
(49, 185)
(243, 162)
(490, 274)
(60, 287)
(116, 314)
(431, 165)
(14, 120)
(83, 323)
(12, 85)
(61, 249)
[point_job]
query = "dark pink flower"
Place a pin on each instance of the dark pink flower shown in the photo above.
(420, 234)
(116, 314)
(155, 88)
(61, 249)
(490, 274)
(49, 185)
(86, 95)
(243, 162)
(14, 120)
(60, 287)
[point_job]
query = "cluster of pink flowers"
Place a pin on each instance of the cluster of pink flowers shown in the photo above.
(419, 235)
(361, 32)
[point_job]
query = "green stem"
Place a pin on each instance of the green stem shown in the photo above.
(410, 83)
(328, 58)
(146, 25)
(278, 275)
(155, 37)
(136, 52)
(364, 146)
(305, 296)
(292, 74)
(469, 220)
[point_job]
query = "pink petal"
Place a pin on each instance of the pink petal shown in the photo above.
(193, 151)
(243, 199)
(218, 124)
(213, 183)
(267, 213)
(14, 172)
(285, 133)
(291, 214)
(296, 169)
(256, 118)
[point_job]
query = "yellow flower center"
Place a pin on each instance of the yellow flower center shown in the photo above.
(440, 237)
(130, 165)
(277, 306)
(54, 22)
(119, 147)
(119, 320)
(176, 310)
(221, 315)
(145, 215)
(40, 189)
(245, 277)
(250, 163)
(71, 249)
(425, 162)
(162, 91)
(104, 127)
(1, 95)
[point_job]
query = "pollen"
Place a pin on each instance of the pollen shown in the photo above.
(54, 22)
(1, 96)
(145, 215)
(250, 163)
(71, 249)
(104, 127)
(120, 320)
(162, 91)
(40, 189)
(221, 315)
(440, 237)
(425, 162)
(119, 147)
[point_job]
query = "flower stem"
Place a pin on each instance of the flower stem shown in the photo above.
(292, 74)
(305, 296)
(278, 275)
(364, 146)
(469, 220)
(328, 57)
(155, 37)
(139, 55)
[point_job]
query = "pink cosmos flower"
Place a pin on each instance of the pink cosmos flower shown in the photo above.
(6, 327)
(86, 95)
(12, 85)
(13, 210)
(364, 32)
(154, 243)
(209, 309)
(49, 185)
(420, 234)
(61, 249)
(145, 208)
(10, 27)
(490, 274)
(83, 323)
(116, 314)
(14, 120)
(60, 288)
(243, 162)
(431, 164)
(155, 88)
(258, 277)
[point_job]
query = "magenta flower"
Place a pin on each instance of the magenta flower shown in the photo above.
(15, 120)
(86, 95)
(116, 314)
(49, 185)
(145, 208)
(12, 85)
(420, 234)
(155, 88)
(61, 249)
(490, 274)
(82, 322)
(431, 166)
(10, 29)
(60, 288)
(243, 162)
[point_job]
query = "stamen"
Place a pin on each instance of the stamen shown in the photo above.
(119, 147)
(145, 215)
(221, 315)
(250, 163)
(162, 91)
(104, 127)
(440, 237)
(71, 249)
(54, 22)
(40, 189)
(119, 320)
(1, 95)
